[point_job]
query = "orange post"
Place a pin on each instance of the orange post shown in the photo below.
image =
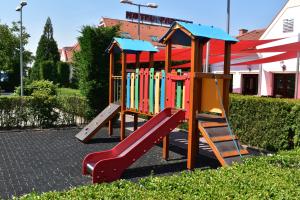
(193, 134)
(111, 88)
(226, 83)
(168, 61)
(123, 96)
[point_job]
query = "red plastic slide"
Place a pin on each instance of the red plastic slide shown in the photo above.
(108, 166)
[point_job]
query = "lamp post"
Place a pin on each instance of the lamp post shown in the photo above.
(20, 9)
(148, 5)
(228, 16)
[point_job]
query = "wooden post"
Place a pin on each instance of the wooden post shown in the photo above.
(151, 59)
(168, 61)
(123, 96)
(226, 82)
(111, 88)
(135, 116)
(193, 134)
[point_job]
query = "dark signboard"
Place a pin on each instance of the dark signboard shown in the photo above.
(153, 18)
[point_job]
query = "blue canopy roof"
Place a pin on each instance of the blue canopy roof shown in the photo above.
(199, 31)
(131, 46)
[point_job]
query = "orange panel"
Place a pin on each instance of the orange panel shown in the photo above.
(210, 101)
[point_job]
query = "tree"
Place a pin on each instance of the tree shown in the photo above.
(47, 50)
(92, 66)
(63, 73)
(10, 54)
(47, 70)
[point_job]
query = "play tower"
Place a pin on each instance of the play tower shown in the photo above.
(169, 98)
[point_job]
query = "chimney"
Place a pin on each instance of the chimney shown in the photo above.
(242, 31)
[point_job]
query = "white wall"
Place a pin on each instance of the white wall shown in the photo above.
(274, 31)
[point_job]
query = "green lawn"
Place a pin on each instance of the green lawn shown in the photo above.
(270, 177)
(68, 92)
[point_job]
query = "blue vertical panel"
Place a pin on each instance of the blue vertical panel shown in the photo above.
(128, 91)
(162, 89)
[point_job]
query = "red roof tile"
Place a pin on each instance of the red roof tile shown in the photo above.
(251, 35)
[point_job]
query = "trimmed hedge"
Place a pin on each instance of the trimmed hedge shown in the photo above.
(41, 110)
(268, 123)
(270, 177)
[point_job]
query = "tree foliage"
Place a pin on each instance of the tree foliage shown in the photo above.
(92, 66)
(47, 50)
(63, 74)
(10, 54)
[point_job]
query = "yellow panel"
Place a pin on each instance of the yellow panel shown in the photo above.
(210, 101)
(156, 101)
(132, 90)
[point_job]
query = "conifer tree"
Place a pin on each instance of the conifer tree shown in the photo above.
(47, 50)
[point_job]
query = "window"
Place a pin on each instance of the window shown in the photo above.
(154, 38)
(288, 25)
(250, 84)
(284, 85)
(125, 35)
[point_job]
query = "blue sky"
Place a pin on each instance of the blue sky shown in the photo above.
(68, 16)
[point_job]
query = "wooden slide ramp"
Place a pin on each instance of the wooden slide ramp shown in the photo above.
(215, 130)
(96, 124)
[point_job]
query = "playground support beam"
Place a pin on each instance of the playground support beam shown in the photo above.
(168, 62)
(123, 96)
(151, 59)
(195, 87)
(111, 88)
(226, 83)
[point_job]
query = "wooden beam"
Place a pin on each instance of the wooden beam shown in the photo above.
(168, 62)
(199, 75)
(226, 82)
(137, 60)
(193, 135)
(123, 96)
(151, 59)
(234, 153)
(135, 116)
(111, 88)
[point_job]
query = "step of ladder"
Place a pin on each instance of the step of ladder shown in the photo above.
(218, 136)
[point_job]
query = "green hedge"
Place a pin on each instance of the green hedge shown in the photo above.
(270, 177)
(41, 110)
(268, 123)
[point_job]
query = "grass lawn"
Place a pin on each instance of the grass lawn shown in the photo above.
(68, 92)
(269, 177)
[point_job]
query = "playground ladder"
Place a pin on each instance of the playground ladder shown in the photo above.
(215, 130)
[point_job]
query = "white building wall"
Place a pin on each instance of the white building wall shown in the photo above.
(275, 31)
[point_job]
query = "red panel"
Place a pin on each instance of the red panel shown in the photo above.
(168, 90)
(141, 106)
(187, 95)
(173, 93)
(109, 165)
(146, 90)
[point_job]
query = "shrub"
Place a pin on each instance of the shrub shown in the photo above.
(63, 74)
(43, 85)
(41, 110)
(267, 123)
(272, 177)
(48, 71)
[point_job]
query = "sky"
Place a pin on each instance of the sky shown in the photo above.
(68, 16)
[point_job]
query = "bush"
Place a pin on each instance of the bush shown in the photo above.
(272, 177)
(43, 85)
(68, 92)
(63, 74)
(41, 110)
(48, 71)
(268, 123)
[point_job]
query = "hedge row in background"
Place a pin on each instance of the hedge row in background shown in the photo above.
(41, 110)
(272, 177)
(268, 123)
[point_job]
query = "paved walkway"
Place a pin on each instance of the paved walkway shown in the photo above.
(47, 160)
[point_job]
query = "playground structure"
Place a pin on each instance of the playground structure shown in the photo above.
(170, 98)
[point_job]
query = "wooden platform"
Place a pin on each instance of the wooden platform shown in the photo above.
(215, 130)
(96, 124)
